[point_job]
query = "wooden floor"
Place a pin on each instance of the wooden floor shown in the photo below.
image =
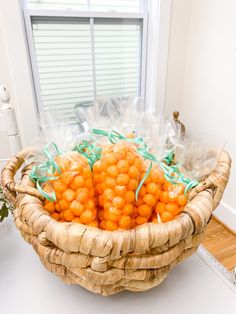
(221, 243)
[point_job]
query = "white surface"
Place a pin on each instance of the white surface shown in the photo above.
(202, 72)
(27, 288)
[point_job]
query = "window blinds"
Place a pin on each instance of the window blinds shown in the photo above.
(117, 57)
(79, 59)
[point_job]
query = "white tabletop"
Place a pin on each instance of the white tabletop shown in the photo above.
(27, 288)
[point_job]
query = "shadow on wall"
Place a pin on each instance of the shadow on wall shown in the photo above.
(4, 147)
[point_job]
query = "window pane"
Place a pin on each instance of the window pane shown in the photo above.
(117, 57)
(95, 5)
(63, 53)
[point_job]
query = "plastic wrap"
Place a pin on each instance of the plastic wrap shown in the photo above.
(197, 155)
(118, 167)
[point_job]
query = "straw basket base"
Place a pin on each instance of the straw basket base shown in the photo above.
(137, 285)
(116, 279)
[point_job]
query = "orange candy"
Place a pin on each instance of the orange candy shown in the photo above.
(160, 208)
(132, 185)
(122, 179)
(164, 197)
(110, 225)
(152, 188)
(157, 175)
(166, 216)
(68, 177)
(87, 217)
(76, 208)
(129, 197)
(82, 195)
(78, 182)
(112, 171)
(68, 215)
(127, 209)
(118, 202)
(172, 208)
(64, 204)
(182, 200)
(56, 216)
(123, 166)
(110, 182)
(149, 199)
(144, 210)
(120, 190)
(125, 222)
(142, 191)
(49, 206)
(141, 220)
(69, 195)
(59, 186)
(108, 194)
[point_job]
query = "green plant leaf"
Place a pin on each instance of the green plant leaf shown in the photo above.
(4, 211)
(5, 206)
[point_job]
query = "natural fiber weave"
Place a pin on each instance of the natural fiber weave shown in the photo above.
(106, 262)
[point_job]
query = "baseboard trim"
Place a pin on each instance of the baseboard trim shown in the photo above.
(227, 276)
(228, 216)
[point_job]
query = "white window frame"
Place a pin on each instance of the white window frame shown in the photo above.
(31, 13)
(22, 89)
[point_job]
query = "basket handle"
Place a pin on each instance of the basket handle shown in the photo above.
(10, 187)
(217, 179)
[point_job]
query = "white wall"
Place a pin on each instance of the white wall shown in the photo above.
(16, 70)
(4, 80)
(201, 80)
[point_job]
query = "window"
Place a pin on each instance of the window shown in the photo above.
(81, 50)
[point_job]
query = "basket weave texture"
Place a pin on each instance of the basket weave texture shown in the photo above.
(106, 262)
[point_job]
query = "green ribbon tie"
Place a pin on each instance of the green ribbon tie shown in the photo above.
(90, 151)
(40, 174)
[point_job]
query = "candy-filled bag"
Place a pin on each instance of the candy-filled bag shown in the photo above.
(171, 202)
(158, 199)
(116, 178)
(71, 186)
(148, 194)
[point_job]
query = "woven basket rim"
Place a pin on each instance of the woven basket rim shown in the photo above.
(204, 198)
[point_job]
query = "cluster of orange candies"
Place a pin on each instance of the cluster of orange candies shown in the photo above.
(116, 177)
(104, 197)
(75, 196)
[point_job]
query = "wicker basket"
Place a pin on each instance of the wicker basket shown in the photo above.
(107, 262)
